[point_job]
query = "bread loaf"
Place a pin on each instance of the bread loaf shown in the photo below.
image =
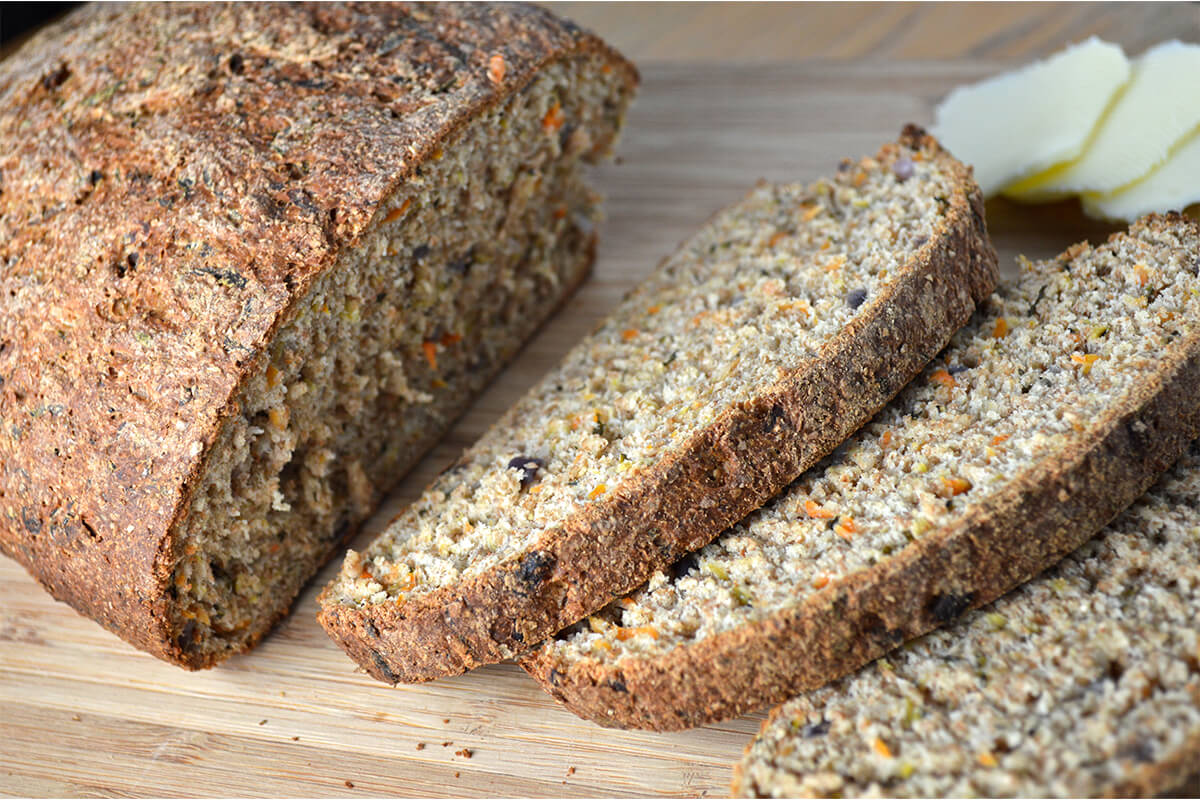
(1084, 682)
(1069, 393)
(254, 259)
(756, 348)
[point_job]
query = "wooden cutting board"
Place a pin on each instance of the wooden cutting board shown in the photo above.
(82, 713)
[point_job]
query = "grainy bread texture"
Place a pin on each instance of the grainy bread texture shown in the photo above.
(756, 348)
(1084, 682)
(1061, 402)
(254, 259)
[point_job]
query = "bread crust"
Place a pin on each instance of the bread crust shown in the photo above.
(860, 617)
(722, 473)
(174, 180)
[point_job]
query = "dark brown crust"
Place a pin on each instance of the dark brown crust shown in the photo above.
(236, 150)
(727, 470)
(1003, 542)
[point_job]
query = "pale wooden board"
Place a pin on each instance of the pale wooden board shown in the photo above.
(81, 713)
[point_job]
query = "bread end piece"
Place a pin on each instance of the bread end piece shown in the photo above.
(265, 317)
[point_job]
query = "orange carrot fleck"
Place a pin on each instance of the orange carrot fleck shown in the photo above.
(945, 378)
(811, 213)
(1001, 439)
(881, 747)
(654, 309)
(776, 238)
(496, 69)
(1086, 360)
(599, 490)
(957, 486)
(816, 512)
(438, 383)
(629, 334)
(1143, 275)
(820, 582)
(860, 178)
(560, 212)
(554, 118)
(1001, 329)
(398, 212)
(629, 633)
(846, 528)
(986, 759)
(885, 441)
(430, 349)
(450, 338)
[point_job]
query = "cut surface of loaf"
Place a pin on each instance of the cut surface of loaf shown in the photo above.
(1067, 394)
(271, 253)
(768, 337)
(1084, 682)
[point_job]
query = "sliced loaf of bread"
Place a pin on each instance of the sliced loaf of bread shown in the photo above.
(1061, 402)
(1082, 683)
(254, 260)
(767, 339)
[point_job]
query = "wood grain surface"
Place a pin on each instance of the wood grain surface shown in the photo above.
(81, 713)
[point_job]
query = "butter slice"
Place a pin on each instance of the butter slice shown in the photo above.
(1173, 186)
(1026, 121)
(1157, 110)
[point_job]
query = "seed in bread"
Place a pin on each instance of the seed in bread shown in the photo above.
(1084, 682)
(254, 259)
(1063, 399)
(764, 341)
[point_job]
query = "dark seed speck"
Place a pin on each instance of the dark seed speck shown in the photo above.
(947, 607)
(535, 567)
(903, 169)
(529, 468)
(856, 297)
(816, 729)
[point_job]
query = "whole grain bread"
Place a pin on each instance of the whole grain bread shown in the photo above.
(1084, 682)
(254, 259)
(1070, 391)
(756, 348)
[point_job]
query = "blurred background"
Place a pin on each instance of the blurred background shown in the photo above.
(758, 32)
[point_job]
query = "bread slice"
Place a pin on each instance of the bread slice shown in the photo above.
(1069, 392)
(254, 260)
(1084, 682)
(771, 334)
